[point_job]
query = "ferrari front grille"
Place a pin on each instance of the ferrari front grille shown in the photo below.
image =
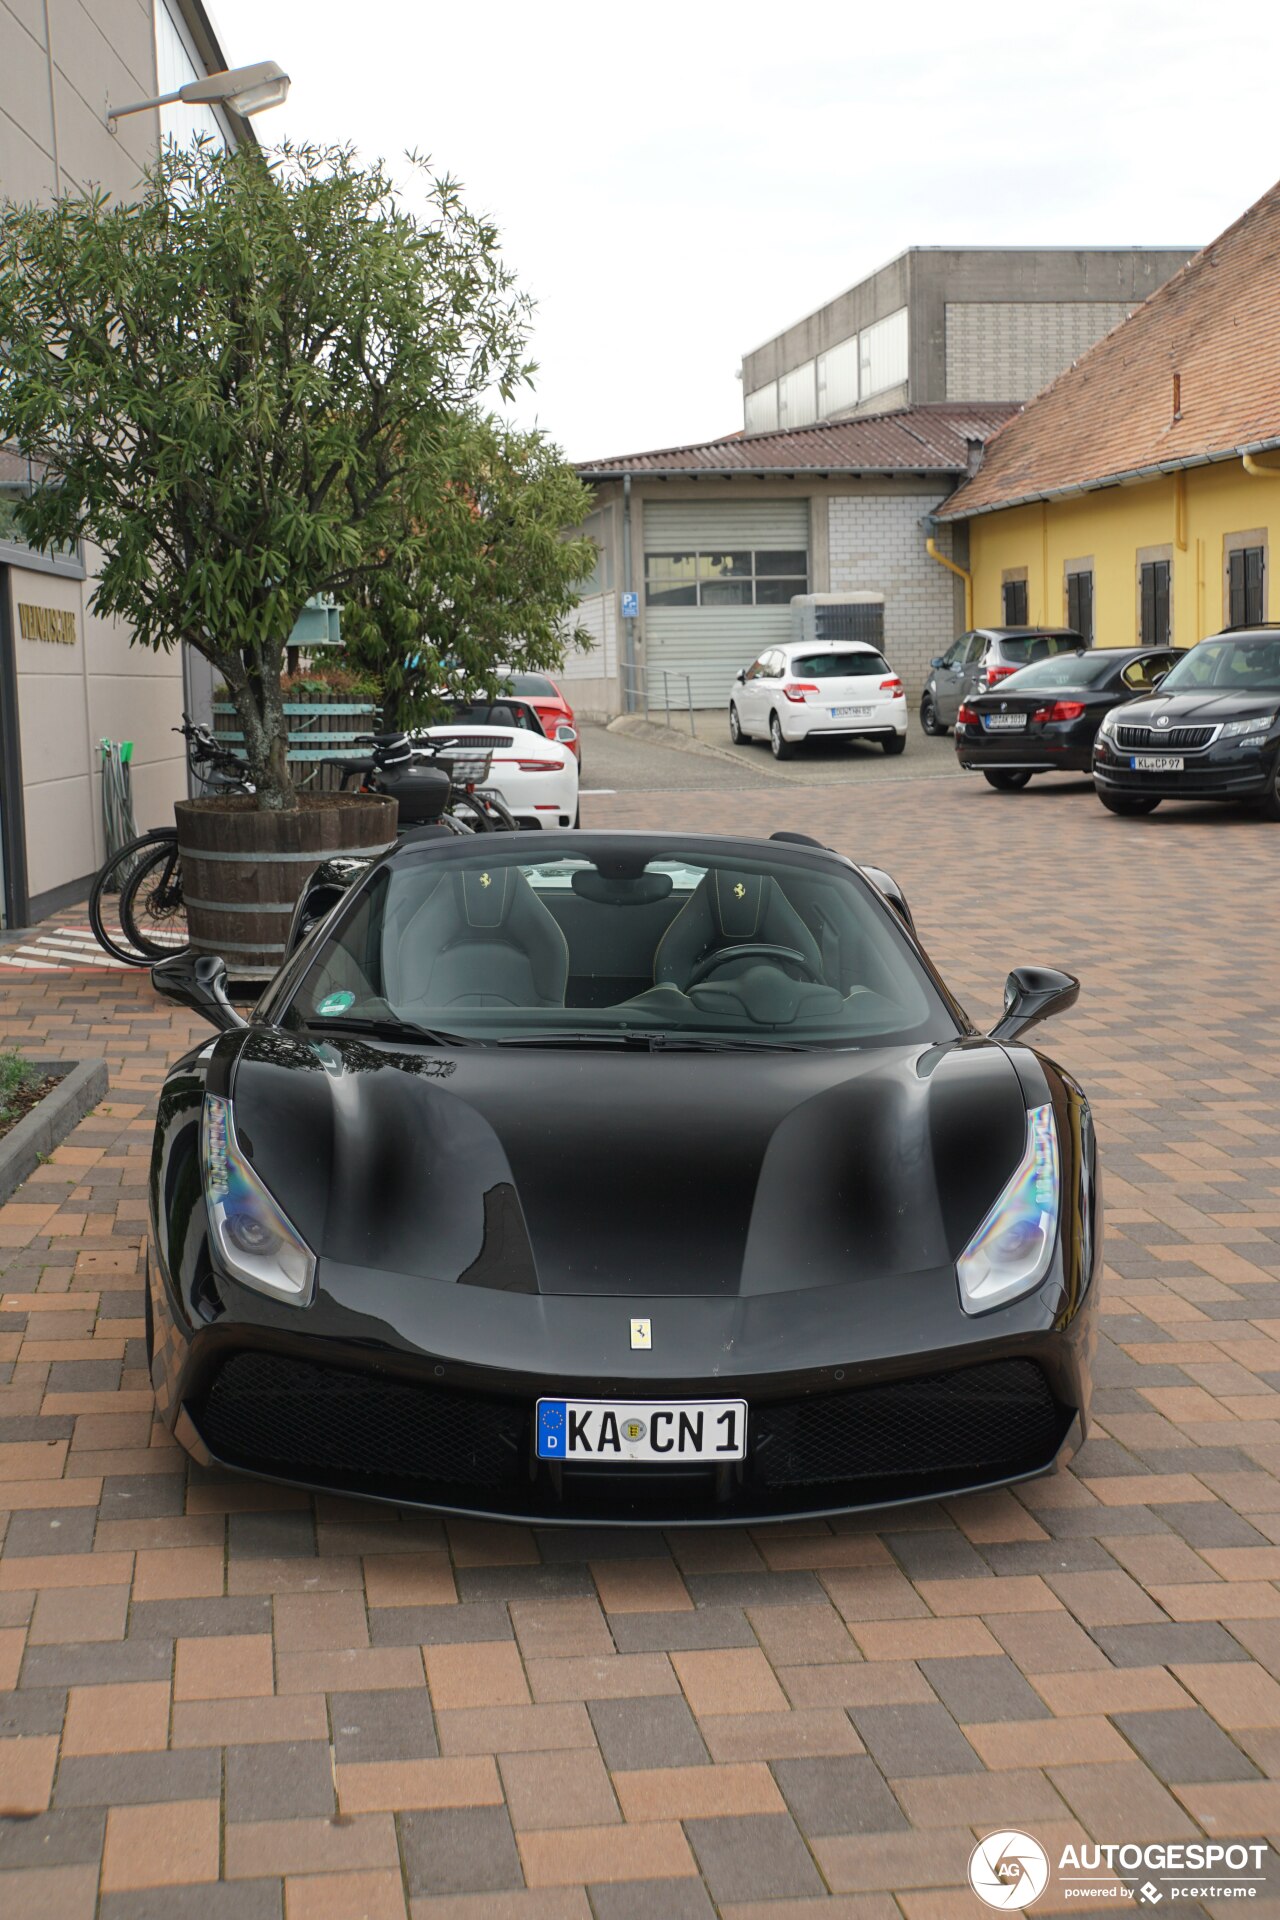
(276, 1415)
(977, 1423)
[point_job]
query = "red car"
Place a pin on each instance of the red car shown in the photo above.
(550, 705)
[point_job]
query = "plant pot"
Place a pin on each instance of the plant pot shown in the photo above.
(243, 869)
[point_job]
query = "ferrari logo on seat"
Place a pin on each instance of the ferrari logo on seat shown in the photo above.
(739, 892)
(641, 1334)
(485, 881)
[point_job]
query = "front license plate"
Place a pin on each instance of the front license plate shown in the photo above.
(1157, 762)
(994, 720)
(851, 713)
(676, 1431)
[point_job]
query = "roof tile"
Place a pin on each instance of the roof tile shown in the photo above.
(925, 439)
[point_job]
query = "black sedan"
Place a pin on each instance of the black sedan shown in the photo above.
(623, 1178)
(1045, 718)
(1212, 732)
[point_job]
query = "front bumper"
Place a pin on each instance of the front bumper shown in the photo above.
(1228, 770)
(424, 1393)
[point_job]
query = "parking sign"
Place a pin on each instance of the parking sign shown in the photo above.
(631, 606)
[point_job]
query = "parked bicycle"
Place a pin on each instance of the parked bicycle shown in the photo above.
(135, 904)
(136, 907)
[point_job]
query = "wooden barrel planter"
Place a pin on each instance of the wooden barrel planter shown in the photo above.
(243, 870)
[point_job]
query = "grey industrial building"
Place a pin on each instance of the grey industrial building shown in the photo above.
(858, 420)
(67, 677)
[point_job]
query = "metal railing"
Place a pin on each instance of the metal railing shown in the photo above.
(636, 685)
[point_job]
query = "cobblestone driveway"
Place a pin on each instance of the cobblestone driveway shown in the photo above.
(225, 1700)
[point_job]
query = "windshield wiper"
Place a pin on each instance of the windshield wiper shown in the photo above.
(649, 1042)
(389, 1029)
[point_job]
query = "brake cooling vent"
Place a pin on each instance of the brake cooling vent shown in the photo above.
(276, 1415)
(967, 1426)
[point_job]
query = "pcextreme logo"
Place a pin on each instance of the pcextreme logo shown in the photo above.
(1008, 1870)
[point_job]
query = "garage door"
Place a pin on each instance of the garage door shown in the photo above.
(717, 589)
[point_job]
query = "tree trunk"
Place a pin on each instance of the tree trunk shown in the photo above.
(260, 710)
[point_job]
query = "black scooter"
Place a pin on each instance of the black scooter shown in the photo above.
(431, 788)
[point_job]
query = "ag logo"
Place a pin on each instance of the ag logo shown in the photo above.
(1008, 1871)
(634, 1429)
(739, 892)
(485, 881)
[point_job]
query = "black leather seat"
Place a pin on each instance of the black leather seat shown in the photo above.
(482, 938)
(728, 910)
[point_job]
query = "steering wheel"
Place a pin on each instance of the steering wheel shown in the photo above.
(752, 951)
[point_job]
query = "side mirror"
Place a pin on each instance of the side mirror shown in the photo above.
(198, 981)
(937, 661)
(741, 676)
(1032, 994)
(566, 734)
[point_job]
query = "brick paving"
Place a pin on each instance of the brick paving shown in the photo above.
(227, 1700)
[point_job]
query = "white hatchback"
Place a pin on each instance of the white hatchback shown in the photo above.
(536, 777)
(842, 691)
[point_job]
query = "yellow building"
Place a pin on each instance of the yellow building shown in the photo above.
(1138, 496)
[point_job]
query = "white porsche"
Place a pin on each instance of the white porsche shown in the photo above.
(536, 777)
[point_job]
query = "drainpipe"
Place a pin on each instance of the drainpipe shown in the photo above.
(1257, 470)
(930, 547)
(628, 624)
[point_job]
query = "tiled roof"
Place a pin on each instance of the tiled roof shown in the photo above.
(1215, 324)
(924, 439)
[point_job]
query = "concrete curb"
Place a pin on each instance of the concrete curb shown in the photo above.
(636, 727)
(81, 1085)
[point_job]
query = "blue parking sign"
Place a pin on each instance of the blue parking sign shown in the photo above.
(631, 606)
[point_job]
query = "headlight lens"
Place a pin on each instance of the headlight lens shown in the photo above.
(1011, 1251)
(1108, 722)
(1260, 723)
(256, 1241)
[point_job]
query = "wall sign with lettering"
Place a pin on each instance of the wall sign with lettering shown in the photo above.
(47, 623)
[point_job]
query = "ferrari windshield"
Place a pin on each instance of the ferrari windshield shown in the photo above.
(618, 939)
(1228, 666)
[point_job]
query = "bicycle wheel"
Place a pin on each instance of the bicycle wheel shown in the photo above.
(152, 911)
(106, 895)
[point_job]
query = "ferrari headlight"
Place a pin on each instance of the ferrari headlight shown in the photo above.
(255, 1239)
(1011, 1251)
(1260, 723)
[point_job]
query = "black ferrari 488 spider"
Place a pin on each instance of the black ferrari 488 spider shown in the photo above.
(620, 1177)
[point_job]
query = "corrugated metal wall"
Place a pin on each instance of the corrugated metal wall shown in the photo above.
(711, 643)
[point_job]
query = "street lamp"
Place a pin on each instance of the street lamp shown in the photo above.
(245, 90)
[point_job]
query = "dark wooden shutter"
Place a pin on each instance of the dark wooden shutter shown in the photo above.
(1080, 604)
(1015, 603)
(1246, 587)
(1235, 589)
(1154, 603)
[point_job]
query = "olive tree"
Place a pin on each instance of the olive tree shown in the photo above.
(259, 382)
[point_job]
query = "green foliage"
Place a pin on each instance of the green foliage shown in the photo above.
(493, 584)
(15, 1072)
(257, 384)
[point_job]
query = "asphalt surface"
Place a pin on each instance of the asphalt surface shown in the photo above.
(620, 762)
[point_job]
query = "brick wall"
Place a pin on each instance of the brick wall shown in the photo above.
(877, 542)
(1009, 349)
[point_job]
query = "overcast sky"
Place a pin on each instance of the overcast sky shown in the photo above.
(677, 182)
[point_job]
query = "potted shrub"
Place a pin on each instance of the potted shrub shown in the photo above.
(254, 385)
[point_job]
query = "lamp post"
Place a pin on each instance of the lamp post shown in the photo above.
(245, 90)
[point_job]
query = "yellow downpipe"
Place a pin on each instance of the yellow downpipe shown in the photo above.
(1180, 509)
(1257, 470)
(1047, 614)
(931, 549)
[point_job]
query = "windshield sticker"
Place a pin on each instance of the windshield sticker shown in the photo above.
(336, 1002)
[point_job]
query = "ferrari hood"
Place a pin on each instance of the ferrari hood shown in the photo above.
(627, 1173)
